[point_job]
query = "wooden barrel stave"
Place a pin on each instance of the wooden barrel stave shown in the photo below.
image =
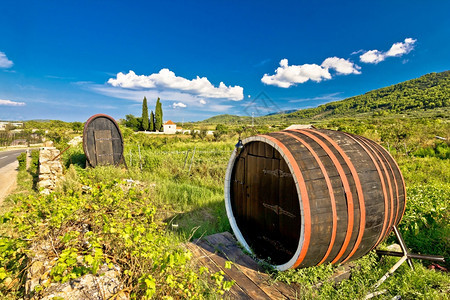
(367, 176)
(398, 179)
(303, 150)
(345, 174)
(385, 186)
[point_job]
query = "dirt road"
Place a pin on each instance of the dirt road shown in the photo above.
(8, 172)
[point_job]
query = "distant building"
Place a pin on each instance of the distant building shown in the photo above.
(19, 142)
(4, 125)
(169, 127)
(300, 126)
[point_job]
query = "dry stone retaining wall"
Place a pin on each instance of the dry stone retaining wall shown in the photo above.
(50, 169)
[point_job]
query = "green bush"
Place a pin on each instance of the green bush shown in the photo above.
(425, 225)
(34, 159)
(74, 156)
(440, 150)
(22, 158)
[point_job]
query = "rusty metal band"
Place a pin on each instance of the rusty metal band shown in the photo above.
(330, 191)
(349, 196)
(395, 184)
(303, 195)
(355, 138)
(383, 187)
(386, 155)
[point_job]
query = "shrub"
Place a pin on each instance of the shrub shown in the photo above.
(22, 158)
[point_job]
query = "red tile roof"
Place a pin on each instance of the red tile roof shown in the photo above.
(169, 123)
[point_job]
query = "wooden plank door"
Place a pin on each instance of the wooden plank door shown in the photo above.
(103, 147)
(262, 203)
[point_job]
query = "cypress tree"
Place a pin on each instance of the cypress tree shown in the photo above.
(158, 116)
(152, 121)
(144, 115)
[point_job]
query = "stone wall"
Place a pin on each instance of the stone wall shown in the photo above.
(50, 169)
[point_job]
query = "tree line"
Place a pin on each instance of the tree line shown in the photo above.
(152, 122)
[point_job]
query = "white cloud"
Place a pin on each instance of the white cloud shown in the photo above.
(286, 76)
(396, 50)
(322, 98)
(194, 103)
(167, 80)
(341, 66)
(357, 52)
(11, 103)
(372, 57)
(219, 107)
(399, 49)
(138, 95)
(5, 62)
(179, 104)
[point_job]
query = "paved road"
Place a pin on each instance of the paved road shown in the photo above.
(10, 156)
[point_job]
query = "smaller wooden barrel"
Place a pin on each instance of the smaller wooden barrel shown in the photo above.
(102, 141)
(300, 198)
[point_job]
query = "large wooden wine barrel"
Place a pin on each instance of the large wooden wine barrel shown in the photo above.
(300, 198)
(102, 141)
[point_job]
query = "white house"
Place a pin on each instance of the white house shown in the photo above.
(169, 127)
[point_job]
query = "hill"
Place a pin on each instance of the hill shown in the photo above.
(227, 119)
(428, 92)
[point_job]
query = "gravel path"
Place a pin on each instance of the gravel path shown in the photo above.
(8, 176)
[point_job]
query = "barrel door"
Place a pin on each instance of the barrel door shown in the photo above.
(299, 198)
(102, 141)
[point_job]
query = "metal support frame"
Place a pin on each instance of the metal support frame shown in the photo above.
(403, 246)
(405, 252)
(405, 256)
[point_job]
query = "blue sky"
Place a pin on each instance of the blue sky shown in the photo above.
(68, 60)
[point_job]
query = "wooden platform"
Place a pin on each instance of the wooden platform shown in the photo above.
(250, 281)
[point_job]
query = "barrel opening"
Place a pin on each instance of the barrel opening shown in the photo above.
(265, 202)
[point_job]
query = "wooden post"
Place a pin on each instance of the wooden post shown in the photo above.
(192, 160)
(130, 158)
(185, 160)
(140, 158)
